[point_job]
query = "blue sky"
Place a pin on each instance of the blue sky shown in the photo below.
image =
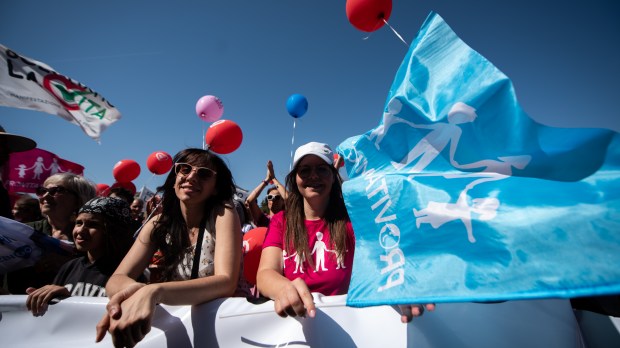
(154, 59)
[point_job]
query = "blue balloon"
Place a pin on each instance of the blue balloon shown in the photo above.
(297, 105)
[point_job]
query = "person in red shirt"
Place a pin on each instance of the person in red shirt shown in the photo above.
(309, 247)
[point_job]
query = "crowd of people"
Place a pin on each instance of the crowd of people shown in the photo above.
(167, 253)
(140, 254)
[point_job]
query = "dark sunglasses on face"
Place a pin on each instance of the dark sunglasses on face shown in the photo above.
(202, 172)
(53, 191)
(273, 197)
(322, 171)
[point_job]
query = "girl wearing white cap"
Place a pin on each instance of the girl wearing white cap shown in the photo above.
(309, 247)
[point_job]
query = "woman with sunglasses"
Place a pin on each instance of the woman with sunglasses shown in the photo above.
(310, 246)
(275, 198)
(60, 197)
(102, 233)
(197, 210)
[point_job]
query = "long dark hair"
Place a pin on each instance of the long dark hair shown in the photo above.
(170, 232)
(336, 217)
(118, 241)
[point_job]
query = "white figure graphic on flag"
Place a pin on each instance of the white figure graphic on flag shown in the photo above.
(441, 134)
(21, 171)
(38, 167)
(438, 213)
(430, 146)
(55, 167)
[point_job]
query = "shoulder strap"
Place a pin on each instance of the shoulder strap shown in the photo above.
(198, 249)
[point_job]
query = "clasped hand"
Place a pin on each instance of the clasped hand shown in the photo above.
(128, 316)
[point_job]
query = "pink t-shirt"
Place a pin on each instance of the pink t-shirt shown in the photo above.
(329, 276)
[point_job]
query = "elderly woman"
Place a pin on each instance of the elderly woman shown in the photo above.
(60, 197)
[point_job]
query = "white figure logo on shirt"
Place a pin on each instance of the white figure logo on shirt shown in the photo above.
(319, 251)
(298, 264)
(340, 260)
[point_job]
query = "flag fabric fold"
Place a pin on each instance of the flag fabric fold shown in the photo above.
(22, 246)
(458, 195)
(28, 84)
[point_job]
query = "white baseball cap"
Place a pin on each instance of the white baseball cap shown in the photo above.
(314, 148)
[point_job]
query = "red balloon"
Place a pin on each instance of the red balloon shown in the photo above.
(103, 190)
(159, 162)
(129, 186)
(252, 249)
(126, 170)
(336, 158)
(368, 15)
(224, 136)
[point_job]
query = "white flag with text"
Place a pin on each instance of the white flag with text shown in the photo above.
(28, 84)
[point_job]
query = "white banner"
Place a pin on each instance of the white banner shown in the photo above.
(145, 194)
(234, 322)
(241, 194)
(28, 84)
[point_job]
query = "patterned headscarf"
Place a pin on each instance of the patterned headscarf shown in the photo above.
(113, 209)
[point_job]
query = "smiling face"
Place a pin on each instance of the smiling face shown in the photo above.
(314, 178)
(193, 188)
(136, 208)
(57, 201)
(276, 204)
(88, 234)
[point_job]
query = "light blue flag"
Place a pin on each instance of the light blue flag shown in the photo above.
(458, 195)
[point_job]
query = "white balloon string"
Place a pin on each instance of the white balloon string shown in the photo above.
(290, 167)
(395, 32)
(147, 181)
(204, 144)
(135, 235)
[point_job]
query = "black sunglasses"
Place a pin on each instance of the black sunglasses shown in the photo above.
(185, 169)
(53, 191)
(273, 197)
(323, 171)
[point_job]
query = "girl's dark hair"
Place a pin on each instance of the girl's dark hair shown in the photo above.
(118, 241)
(170, 232)
(336, 217)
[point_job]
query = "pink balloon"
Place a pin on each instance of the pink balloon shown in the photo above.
(209, 108)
